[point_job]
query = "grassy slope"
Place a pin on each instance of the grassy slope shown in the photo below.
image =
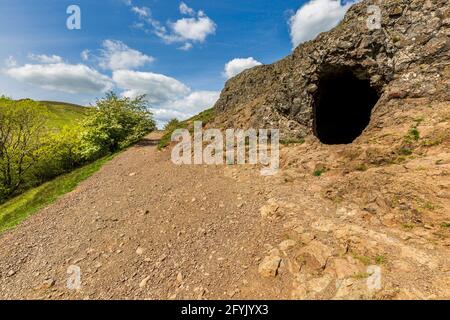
(62, 114)
(18, 209)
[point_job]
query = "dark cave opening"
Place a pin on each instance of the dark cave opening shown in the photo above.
(343, 106)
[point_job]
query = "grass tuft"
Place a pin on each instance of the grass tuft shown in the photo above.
(445, 225)
(318, 172)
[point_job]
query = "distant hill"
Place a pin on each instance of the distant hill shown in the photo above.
(62, 113)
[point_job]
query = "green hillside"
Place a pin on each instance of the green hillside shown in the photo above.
(61, 113)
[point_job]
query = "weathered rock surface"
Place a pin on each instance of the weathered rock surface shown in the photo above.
(408, 57)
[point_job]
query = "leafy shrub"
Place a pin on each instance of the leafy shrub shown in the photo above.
(22, 131)
(61, 152)
(116, 123)
(174, 123)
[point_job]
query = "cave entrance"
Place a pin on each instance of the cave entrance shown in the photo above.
(343, 106)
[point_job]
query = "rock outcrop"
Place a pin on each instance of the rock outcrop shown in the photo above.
(407, 57)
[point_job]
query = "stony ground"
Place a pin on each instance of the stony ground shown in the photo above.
(332, 221)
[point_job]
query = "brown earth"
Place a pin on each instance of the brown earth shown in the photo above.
(143, 228)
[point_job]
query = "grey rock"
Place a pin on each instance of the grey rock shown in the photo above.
(413, 40)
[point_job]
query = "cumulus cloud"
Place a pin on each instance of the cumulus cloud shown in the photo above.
(158, 88)
(162, 116)
(85, 55)
(236, 66)
(62, 77)
(315, 17)
(185, 107)
(142, 12)
(194, 103)
(193, 29)
(43, 58)
(186, 47)
(184, 9)
(168, 97)
(116, 55)
(10, 62)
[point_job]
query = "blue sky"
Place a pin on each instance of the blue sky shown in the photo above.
(174, 51)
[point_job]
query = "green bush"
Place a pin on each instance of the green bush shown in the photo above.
(174, 123)
(116, 124)
(61, 152)
(22, 134)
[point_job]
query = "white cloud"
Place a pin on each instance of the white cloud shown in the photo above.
(186, 47)
(62, 77)
(193, 29)
(142, 12)
(158, 88)
(85, 55)
(10, 62)
(43, 58)
(163, 116)
(236, 66)
(168, 97)
(185, 107)
(184, 9)
(196, 28)
(195, 102)
(116, 55)
(315, 17)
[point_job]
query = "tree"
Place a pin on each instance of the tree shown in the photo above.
(116, 123)
(173, 123)
(22, 129)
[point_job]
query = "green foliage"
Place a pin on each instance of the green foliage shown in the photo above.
(361, 167)
(406, 151)
(410, 140)
(62, 114)
(318, 172)
(116, 124)
(380, 259)
(61, 152)
(22, 134)
(205, 116)
(413, 134)
(174, 123)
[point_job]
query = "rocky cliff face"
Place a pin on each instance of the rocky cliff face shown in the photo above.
(408, 57)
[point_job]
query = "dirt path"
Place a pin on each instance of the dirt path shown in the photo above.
(189, 231)
(142, 228)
